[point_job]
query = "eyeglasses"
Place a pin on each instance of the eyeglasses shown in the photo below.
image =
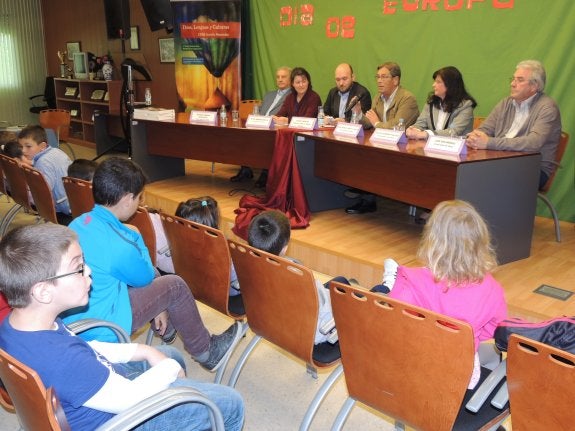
(78, 271)
(519, 80)
(383, 76)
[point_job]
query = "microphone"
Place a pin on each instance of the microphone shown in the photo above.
(352, 103)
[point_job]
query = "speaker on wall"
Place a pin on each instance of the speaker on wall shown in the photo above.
(117, 18)
(159, 14)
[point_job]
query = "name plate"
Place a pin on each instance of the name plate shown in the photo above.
(259, 122)
(445, 145)
(388, 136)
(348, 129)
(305, 123)
(209, 118)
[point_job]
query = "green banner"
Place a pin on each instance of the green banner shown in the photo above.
(484, 39)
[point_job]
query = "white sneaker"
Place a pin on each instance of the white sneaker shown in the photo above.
(389, 273)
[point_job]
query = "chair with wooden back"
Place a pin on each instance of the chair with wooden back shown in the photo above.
(141, 219)
(39, 409)
(79, 194)
(59, 121)
(247, 107)
(410, 363)
(281, 303)
(41, 193)
(26, 394)
(542, 194)
(477, 121)
(201, 257)
(541, 383)
(18, 190)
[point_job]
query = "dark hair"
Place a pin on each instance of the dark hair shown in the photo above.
(394, 69)
(203, 210)
(456, 92)
(115, 178)
(269, 231)
(34, 132)
(31, 254)
(300, 71)
(13, 149)
(83, 169)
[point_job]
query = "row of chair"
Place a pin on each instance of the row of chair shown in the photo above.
(374, 331)
(25, 181)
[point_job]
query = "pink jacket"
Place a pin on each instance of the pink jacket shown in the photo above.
(481, 305)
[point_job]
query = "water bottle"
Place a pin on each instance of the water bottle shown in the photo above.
(320, 116)
(354, 117)
(400, 125)
(148, 97)
(223, 116)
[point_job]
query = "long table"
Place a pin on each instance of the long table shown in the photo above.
(153, 141)
(502, 185)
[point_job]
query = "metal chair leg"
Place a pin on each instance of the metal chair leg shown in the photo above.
(343, 414)
(319, 397)
(551, 207)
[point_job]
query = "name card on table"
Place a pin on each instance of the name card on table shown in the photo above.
(259, 122)
(388, 136)
(305, 123)
(209, 118)
(348, 129)
(445, 145)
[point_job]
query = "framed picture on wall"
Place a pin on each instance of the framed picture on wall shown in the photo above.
(167, 53)
(134, 38)
(71, 48)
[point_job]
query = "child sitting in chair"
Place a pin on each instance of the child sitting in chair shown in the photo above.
(270, 231)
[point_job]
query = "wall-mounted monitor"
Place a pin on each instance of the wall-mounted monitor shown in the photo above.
(80, 61)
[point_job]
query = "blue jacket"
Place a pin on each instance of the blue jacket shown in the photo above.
(118, 258)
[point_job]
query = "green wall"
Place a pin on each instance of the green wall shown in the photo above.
(485, 39)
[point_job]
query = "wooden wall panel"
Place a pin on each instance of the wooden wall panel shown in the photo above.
(84, 21)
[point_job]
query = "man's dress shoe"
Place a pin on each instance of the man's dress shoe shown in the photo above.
(362, 207)
(262, 180)
(244, 173)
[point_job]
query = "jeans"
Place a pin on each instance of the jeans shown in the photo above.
(171, 293)
(195, 416)
(131, 370)
(190, 416)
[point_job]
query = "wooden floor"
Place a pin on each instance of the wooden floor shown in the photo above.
(356, 245)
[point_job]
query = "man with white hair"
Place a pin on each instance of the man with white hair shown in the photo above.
(527, 120)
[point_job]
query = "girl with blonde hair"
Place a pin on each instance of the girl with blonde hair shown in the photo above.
(456, 279)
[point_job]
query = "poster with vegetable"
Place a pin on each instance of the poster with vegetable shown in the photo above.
(207, 48)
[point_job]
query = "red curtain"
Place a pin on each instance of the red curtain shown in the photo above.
(284, 190)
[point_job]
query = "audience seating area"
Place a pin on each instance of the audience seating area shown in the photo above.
(397, 359)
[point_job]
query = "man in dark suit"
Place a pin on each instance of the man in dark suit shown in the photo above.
(345, 93)
(271, 104)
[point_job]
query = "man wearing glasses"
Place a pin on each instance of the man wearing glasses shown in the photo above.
(526, 120)
(392, 104)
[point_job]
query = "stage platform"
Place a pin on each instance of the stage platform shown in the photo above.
(355, 246)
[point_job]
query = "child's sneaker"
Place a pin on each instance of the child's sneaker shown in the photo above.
(389, 273)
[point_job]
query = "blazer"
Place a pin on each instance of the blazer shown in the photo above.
(404, 106)
(460, 120)
(269, 98)
(331, 105)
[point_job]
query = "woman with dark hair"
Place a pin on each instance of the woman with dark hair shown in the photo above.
(449, 107)
(302, 101)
